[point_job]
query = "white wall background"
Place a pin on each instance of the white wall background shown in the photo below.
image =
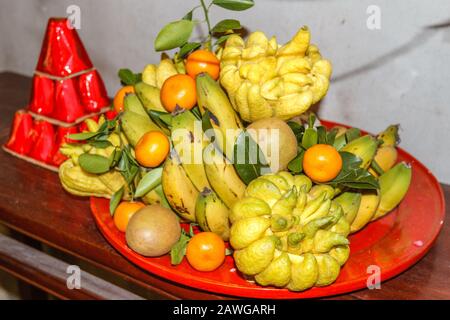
(399, 74)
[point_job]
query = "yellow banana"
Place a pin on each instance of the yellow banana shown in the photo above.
(387, 154)
(385, 158)
(223, 177)
(211, 97)
(187, 139)
(178, 189)
(350, 203)
(212, 214)
(393, 187)
(390, 136)
(367, 208)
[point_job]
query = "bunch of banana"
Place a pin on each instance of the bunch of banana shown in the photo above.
(198, 181)
(264, 79)
(209, 206)
(363, 207)
(287, 234)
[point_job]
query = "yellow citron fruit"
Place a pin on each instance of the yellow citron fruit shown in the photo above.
(264, 79)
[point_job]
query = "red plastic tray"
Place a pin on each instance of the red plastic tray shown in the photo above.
(393, 243)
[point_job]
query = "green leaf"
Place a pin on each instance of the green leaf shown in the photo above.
(331, 136)
(311, 120)
(254, 162)
(225, 25)
(376, 167)
(100, 144)
(159, 191)
(128, 77)
(352, 176)
(115, 157)
(191, 229)
(188, 16)
(352, 133)
(94, 163)
(298, 130)
(148, 182)
(339, 142)
(235, 5)
(178, 250)
(115, 200)
(187, 48)
(83, 136)
(296, 164)
(321, 135)
(174, 35)
(196, 112)
(350, 161)
(161, 118)
(222, 39)
(309, 138)
(128, 167)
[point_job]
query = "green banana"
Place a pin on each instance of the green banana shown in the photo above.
(223, 178)
(349, 202)
(149, 181)
(133, 104)
(135, 126)
(212, 214)
(149, 96)
(364, 147)
(393, 187)
(367, 208)
(226, 123)
(178, 189)
(187, 139)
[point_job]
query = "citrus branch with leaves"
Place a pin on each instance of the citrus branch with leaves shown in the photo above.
(177, 33)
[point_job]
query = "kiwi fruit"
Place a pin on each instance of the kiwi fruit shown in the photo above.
(153, 230)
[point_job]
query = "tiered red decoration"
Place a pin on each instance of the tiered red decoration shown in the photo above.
(67, 89)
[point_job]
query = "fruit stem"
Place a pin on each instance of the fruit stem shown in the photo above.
(205, 10)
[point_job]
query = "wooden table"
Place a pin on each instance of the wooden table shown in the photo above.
(33, 203)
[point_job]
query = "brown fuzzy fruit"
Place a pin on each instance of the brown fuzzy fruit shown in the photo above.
(152, 231)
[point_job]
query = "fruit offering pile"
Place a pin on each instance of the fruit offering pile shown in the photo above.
(219, 139)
